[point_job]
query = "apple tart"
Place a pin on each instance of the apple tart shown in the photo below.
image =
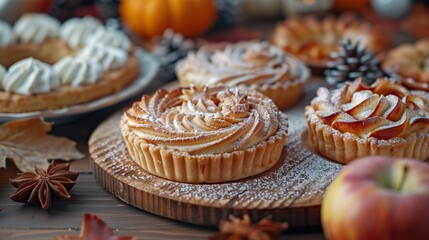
(47, 65)
(356, 120)
(204, 135)
(253, 65)
(313, 40)
(411, 63)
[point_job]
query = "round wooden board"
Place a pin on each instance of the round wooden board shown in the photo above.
(291, 191)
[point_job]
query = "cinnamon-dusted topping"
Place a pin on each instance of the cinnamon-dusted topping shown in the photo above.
(205, 121)
(237, 228)
(383, 110)
(38, 187)
(243, 63)
(314, 40)
(411, 62)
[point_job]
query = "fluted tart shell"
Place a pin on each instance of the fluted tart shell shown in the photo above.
(253, 65)
(224, 152)
(342, 139)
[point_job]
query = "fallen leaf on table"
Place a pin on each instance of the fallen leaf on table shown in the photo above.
(95, 229)
(41, 186)
(243, 229)
(27, 144)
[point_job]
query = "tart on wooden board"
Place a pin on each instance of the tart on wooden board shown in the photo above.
(357, 120)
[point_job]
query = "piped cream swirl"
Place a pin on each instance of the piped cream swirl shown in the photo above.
(109, 57)
(6, 34)
(36, 28)
(77, 31)
(110, 37)
(204, 121)
(30, 76)
(383, 110)
(76, 72)
(244, 63)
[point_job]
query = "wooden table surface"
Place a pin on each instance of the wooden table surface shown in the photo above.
(19, 221)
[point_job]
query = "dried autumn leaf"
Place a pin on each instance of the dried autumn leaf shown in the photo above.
(27, 143)
(243, 229)
(95, 229)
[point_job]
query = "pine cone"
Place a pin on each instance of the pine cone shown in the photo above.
(351, 62)
(227, 12)
(170, 48)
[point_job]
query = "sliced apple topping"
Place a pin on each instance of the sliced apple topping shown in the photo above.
(364, 105)
(396, 108)
(417, 103)
(359, 127)
(383, 110)
(385, 87)
(391, 130)
(419, 123)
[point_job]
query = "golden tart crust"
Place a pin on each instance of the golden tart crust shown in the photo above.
(357, 120)
(313, 40)
(53, 49)
(411, 63)
(253, 65)
(111, 82)
(209, 135)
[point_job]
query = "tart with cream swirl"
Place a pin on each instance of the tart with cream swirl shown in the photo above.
(47, 65)
(253, 65)
(358, 120)
(213, 134)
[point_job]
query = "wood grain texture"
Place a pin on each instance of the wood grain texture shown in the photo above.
(19, 221)
(291, 191)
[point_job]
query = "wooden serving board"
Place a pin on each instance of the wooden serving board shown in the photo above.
(291, 191)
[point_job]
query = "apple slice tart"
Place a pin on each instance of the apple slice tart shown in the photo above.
(213, 134)
(357, 120)
(411, 63)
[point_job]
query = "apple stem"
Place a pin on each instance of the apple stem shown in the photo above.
(404, 176)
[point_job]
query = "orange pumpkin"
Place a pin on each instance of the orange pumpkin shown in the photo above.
(151, 17)
(351, 5)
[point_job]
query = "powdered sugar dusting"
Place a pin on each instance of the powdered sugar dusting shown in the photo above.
(300, 178)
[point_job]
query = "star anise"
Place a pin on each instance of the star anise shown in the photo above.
(39, 186)
(94, 228)
(237, 229)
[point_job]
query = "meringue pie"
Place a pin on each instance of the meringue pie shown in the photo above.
(252, 65)
(47, 65)
(357, 120)
(204, 135)
(313, 40)
(411, 63)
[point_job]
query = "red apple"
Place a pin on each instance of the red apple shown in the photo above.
(378, 197)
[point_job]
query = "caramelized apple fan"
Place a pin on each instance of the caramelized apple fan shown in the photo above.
(383, 110)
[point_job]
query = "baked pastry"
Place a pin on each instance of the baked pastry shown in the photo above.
(254, 65)
(313, 40)
(411, 63)
(214, 134)
(358, 120)
(45, 65)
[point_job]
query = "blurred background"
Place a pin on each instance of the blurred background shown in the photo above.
(146, 21)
